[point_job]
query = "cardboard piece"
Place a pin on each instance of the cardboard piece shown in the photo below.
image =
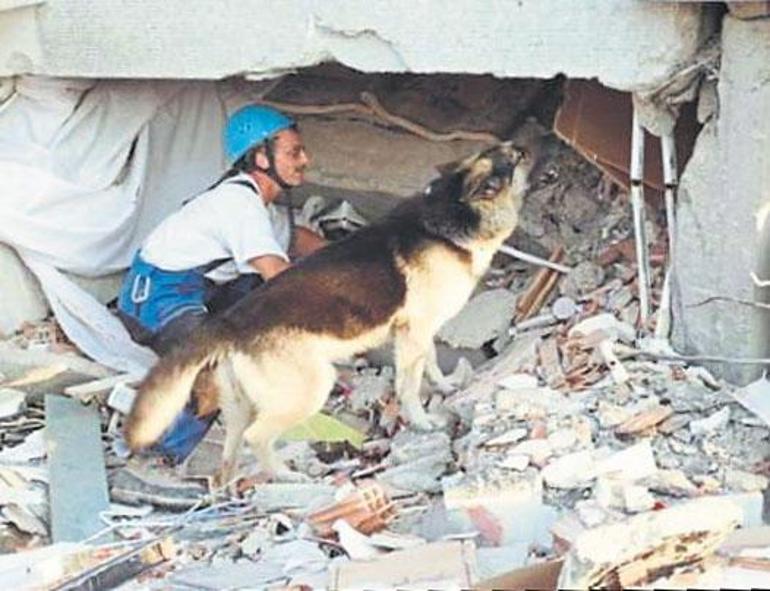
(596, 121)
(441, 565)
(536, 576)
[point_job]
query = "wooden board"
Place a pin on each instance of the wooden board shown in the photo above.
(78, 478)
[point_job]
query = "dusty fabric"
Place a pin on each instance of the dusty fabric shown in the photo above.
(87, 169)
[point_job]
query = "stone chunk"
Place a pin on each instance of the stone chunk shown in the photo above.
(484, 318)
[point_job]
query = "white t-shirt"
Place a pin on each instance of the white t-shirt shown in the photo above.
(229, 221)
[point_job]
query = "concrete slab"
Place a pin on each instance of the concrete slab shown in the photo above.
(78, 486)
(522, 38)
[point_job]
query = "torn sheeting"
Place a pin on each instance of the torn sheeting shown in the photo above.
(88, 168)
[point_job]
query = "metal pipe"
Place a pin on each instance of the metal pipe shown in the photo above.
(668, 150)
(637, 204)
(668, 155)
(530, 258)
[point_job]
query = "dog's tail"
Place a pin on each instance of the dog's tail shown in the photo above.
(166, 389)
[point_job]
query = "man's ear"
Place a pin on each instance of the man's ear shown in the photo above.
(260, 159)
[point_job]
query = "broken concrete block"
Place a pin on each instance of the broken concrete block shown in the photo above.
(537, 450)
(574, 470)
(409, 445)
(591, 512)
(531, 404)
(612, 493)
(11, 402)
(484, 318)
(508, 438)
(562, 439)
(255, 542)
(755, 397)
(637, 499)
(712, 423)
(612, 415)
(516, 462)
(277, 496)
(518, 381)
(608, 324)
(419, 475)
(584, 278)
(742, 481)
(633, 552)
(632, 463)
(672, 483)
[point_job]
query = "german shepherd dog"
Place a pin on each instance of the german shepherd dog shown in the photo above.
(401, 278)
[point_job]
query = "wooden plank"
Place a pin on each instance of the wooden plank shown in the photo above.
(78, 478)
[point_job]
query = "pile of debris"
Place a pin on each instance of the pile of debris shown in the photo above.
(577, 453)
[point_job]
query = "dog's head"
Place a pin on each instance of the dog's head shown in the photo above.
(482, 194)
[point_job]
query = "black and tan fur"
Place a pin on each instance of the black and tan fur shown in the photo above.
(402, 278)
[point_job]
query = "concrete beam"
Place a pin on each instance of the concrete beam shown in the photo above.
(609, 39)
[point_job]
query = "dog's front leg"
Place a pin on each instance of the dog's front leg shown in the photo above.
(411, 351)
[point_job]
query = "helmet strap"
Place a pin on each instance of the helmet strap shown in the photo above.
(271, 170)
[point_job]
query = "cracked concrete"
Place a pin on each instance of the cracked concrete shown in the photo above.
(722, 223)
(531, 38)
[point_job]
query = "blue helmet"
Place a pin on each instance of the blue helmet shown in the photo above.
(252, 125)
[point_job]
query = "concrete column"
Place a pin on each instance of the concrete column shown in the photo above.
(724, 208)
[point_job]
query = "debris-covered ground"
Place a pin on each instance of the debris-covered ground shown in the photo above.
(573, 443)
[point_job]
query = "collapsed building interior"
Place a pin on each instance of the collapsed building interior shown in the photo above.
(573, 420)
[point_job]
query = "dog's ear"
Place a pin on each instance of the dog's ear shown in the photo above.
(448, 167)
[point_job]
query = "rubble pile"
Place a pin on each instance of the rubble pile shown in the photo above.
(577, 451)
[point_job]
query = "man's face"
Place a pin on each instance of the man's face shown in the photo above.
(291, 159)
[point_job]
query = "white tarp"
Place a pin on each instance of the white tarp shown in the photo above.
(87, 169)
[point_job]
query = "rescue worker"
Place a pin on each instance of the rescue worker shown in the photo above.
(219, 245)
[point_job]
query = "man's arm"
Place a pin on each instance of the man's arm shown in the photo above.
(268, 266)
(306, 242)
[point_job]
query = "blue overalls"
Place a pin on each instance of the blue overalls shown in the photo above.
(152, 298)
(151, 301)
